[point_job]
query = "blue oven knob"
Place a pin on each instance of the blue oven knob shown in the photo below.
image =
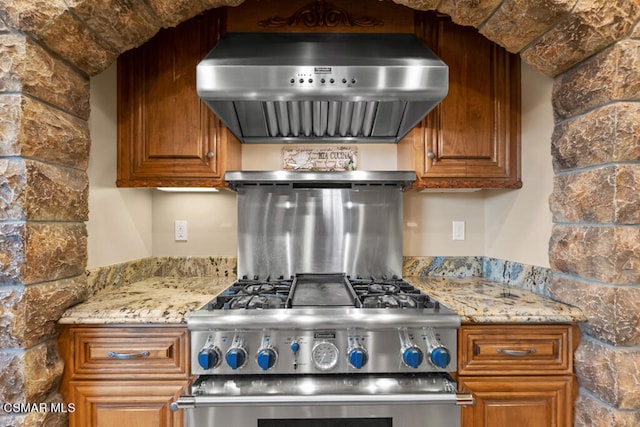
(266, 358)
(440, 357)
(358, 357)
(295, 347)
(412, 357)
(236, 357)
(208, 358)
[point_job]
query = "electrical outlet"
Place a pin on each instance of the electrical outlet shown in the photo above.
(458, 230)
(180, 230)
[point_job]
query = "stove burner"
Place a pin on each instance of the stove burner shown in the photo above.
(391, 293)
(259, 289)
(385, 288)
(390, 301)
(406, 301)
(257, 301)
(253, 294)
(369, 293)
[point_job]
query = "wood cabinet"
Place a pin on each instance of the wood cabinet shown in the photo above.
(124, 376)
(472, 138)
(167, 137)
(520, 375)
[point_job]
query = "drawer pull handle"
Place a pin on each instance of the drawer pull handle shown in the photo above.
(125, 356)
(517, 352)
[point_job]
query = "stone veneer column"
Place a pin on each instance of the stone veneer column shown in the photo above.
(44, 148)
(595, 244)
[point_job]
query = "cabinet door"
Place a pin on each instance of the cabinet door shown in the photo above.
(518, 401)
(472, 138)
(166, 135)
(125, 403)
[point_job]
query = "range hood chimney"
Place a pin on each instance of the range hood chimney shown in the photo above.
(321, 87)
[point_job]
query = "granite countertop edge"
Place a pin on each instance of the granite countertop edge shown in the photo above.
(153, 301)
(168, 300)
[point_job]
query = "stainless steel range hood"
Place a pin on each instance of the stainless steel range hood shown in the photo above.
(316, 179)
(321, 87)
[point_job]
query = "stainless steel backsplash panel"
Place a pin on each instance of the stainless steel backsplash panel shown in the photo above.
(284, 230)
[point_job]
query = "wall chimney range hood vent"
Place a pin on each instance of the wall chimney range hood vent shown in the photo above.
(321, 87)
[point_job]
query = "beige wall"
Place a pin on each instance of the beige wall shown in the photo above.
(428, 221)
(119, 225)
(132, 223)
(211, 223)
(517, 224)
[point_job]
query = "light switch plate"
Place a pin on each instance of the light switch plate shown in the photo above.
(180, 230)
(458, 230)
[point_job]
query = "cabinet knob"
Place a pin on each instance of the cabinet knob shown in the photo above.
(431, 155)
(210, 155)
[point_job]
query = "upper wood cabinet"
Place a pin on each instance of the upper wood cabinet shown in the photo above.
(166, 135)
(472, 138)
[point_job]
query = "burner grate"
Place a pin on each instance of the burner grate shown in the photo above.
(366, 293)
(391, 293)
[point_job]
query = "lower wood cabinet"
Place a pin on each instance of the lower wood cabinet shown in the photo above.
(519, 375)
(124, 403)
(124, 376)
(518, 401)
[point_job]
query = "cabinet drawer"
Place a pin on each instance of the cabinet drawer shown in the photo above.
(515, 350)
(130, 353)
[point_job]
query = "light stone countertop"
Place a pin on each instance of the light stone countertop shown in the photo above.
(156, 300)
(166, 300)
(478, 300)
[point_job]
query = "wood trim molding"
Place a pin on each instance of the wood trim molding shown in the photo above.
(320, 13)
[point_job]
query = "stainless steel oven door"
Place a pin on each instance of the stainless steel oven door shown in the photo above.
(324, 401)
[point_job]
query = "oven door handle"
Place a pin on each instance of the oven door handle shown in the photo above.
(188, 402)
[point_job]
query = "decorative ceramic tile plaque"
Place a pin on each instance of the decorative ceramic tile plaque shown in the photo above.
(342, 158)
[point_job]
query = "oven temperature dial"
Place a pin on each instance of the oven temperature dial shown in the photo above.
(439, 355)
(356, 353)
(325, 355)
(236, 355)
(358, 357)
(267, 355)
(266, 358)
(412, 357)
(209, 357)
(411, 354)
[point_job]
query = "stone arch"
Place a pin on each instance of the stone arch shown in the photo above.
(50, 48)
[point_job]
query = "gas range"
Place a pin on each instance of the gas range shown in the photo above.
(322, 324)
(281, 347)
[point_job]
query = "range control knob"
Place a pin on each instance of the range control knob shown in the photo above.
(236, 356)
(412, 357)
(295, 347)
(440, 357)
(209, 357)
(266, 358)
(358, 357)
